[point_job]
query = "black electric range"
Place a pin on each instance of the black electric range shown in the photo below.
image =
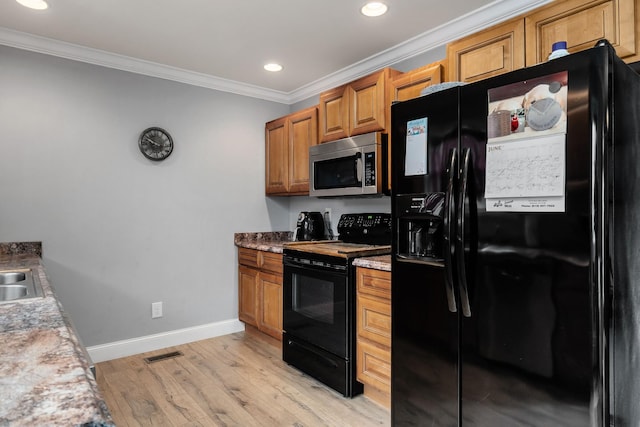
(319, 299)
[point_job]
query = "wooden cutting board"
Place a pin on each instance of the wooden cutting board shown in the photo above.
(339, 249)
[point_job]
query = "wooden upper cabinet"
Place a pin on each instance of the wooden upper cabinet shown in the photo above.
(287, 142)
(488, 53)
(276, 156)
(410, 84)
(334, 113)
(355, 108)
(368, 106)
(303, 133)
(581, 24)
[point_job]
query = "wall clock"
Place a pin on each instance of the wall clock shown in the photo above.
(155, 143)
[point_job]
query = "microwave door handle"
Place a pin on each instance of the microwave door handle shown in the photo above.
(358, 166)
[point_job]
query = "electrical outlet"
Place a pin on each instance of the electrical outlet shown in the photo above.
(156, 310)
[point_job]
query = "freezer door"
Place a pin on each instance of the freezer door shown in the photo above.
(527, 354)
(424, 357)
(424, 385)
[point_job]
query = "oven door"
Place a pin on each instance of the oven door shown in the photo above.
(315, 302)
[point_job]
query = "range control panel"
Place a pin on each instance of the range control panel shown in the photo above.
(367, 228)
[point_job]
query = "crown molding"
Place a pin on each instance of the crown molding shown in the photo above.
(491, 14)
(75, 52)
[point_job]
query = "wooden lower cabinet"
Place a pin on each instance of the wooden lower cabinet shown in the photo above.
(260, 290)
(248, 295)
(373, 330)
(270, 301)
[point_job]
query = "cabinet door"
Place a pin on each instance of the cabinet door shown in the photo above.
(410, 84)
(581, 24)
(303, 133)
(333, 113)
(276, 157)
(367, 109)
(488, 53)
(270, 314)
(248, 295)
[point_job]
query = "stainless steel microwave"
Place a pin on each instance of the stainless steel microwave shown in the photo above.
(348, 167)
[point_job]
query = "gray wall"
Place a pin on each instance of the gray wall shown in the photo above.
(119, 231)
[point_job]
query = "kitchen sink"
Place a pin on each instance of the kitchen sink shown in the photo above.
(18, 285)
(7, 277)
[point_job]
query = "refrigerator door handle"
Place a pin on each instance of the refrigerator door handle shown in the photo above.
(466, 190)
(449, 230)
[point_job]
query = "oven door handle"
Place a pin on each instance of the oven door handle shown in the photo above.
(322, 357)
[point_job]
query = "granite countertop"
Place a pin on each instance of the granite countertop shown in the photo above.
(276, 240)
(379, 262)
(44, 376)
(272, 241)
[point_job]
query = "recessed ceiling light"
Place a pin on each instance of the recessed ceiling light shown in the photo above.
(34, 4)
(273, 67)
(374, 8)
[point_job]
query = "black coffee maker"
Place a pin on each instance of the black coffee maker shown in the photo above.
(310, 226)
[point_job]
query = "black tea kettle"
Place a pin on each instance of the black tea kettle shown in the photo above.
(310, 226)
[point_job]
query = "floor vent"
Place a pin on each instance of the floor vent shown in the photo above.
(162, 356)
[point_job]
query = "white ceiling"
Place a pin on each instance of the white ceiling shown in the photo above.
(224, 44)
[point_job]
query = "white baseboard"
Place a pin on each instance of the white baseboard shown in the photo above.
(117, 349)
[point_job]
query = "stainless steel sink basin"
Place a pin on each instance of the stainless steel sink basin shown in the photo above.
(11, 292)
(7, 277)
(18, 285)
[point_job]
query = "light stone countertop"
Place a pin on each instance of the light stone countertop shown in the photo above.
(379, 262)
(44, 376)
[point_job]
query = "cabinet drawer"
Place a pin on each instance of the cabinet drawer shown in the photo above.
(374, 320)
(248, 257)
(374, 366)
(271, 261)
(374, 282)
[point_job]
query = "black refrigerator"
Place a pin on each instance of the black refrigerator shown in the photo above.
(516, 248)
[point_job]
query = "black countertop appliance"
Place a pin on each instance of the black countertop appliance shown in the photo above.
(310, 226)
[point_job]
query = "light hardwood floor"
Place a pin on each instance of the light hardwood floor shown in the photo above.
(233, 380)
